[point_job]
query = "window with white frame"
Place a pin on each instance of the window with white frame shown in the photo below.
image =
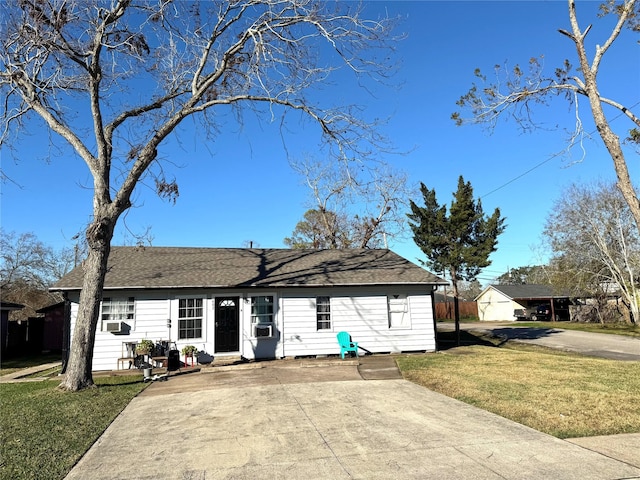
(115, 310)
(190, 312)
(399, 311)
(262, 311)
(323, 313)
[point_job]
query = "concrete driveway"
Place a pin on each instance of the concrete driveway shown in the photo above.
(616, 347)
(321, 420)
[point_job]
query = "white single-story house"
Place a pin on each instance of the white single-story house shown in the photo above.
(259, 303)
(513, 302)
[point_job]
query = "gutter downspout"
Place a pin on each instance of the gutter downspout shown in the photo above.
(280, 320)
(66, 332)
(433, 316)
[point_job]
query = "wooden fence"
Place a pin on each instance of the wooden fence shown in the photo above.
(467, 309)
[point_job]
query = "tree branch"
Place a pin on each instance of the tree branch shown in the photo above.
(29, 95)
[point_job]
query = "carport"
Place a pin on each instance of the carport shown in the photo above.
(519, 302)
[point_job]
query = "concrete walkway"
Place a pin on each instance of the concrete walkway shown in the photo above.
(306, 420)
(22, 374)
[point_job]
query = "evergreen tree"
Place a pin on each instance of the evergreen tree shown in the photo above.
(459, 241)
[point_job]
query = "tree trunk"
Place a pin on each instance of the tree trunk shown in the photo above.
(78, 374)
(633, 308)
(612, 143)
(610, 139)
(624, 184)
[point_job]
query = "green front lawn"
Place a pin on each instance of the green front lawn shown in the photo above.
(562, 394)
(11, 365)
(45, 431)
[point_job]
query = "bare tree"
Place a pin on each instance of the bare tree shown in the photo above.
(26, 260)
(515, 91)
(114, 79)
(27, 268)
(595, 247)
(469, 290)
(531, 274)
(352, 206)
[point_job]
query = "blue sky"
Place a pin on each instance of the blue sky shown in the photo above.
(239, 186)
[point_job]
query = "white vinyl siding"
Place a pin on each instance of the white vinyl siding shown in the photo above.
(300, 334)
(364, 315)
(363, 312)
(151, 315)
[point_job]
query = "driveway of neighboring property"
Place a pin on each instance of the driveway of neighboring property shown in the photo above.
(318, 420)
(616, 347)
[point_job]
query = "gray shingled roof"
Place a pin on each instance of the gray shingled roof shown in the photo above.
(11, 306)
(177, 267)
(528, 292)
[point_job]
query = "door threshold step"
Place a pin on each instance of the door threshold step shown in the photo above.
(227, 360)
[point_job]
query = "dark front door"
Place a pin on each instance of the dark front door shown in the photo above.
(227, 331)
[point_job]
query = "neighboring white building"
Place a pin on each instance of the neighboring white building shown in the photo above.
(259, 303)
(513, 302)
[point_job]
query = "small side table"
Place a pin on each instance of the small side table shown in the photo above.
(160, 361)
(192, 361)
(122, 361)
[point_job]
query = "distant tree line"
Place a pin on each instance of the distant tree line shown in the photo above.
(28, 267)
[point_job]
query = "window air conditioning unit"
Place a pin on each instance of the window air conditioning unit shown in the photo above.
(262, 330)
(114, 327)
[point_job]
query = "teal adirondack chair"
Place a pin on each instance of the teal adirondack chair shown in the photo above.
(346, 345)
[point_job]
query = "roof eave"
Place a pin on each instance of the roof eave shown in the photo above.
(541, 297)
(252, 285)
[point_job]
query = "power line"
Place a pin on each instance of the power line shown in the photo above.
(521, 175)
(548, 159)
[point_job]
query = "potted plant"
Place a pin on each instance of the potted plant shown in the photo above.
(145, 347)
(189, 351)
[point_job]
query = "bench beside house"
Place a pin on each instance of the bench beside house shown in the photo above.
(259, 303)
